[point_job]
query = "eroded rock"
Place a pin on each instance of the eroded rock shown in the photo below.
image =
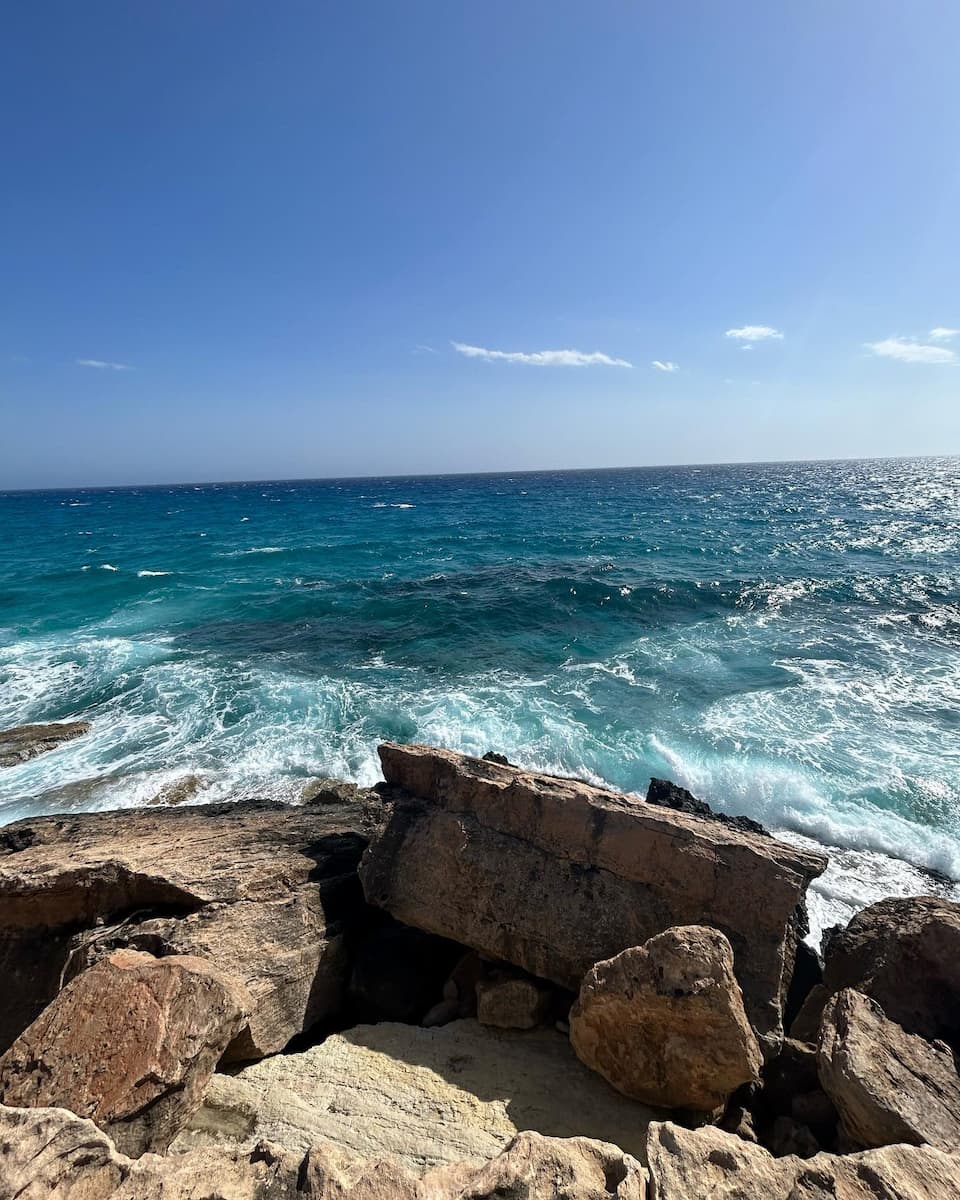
(24, 742)
(266, 891)
(553, 875)
(888, 1085)
(508, 1001)
(665, 1023)
(130, 1043)
(421, 1096)
(689, 1164)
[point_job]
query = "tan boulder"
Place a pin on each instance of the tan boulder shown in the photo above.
(130, 1043)
(511, 1002)
(905, 954)
(888, 1085)
(267, 891)
(687, 1164)
(51, 1154)
(665, 1024)
(554, 875)
(421, 1096)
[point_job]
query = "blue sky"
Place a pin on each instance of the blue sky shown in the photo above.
(245, 240)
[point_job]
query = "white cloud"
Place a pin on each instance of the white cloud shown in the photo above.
(754, 333)
(942, 334)
(909, 350)
(664, 366)
(103, 366)
(420, 348)
(542, 358)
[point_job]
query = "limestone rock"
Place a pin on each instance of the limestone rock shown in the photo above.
(179, 790)
(511, 1002)
(130, 1043)
(888, 1085)
(24, 742)
(421, 1096)
(664, 1022)
(905, 954)
(266, 891)
(689, 1164)
(51, 1154)
(553, 875)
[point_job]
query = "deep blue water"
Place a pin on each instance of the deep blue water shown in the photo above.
(782, 638)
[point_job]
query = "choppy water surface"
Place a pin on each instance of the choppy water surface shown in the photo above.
(783, 639)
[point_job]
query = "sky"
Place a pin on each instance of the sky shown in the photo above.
(301, 239)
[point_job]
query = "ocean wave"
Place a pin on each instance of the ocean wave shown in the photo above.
(152, 574)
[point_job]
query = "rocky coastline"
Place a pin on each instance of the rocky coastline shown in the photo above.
(468, 982)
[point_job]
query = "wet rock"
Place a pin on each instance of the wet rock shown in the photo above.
(670, 795)
(179, 790)
(24, 742)
(332, 791)
(267, 892)
(130, 1043)
(689, 1164)
(905, 954)
(509, 1001)
(553, 875)
(665, 1024)
(421, 1096)
(888, 1085)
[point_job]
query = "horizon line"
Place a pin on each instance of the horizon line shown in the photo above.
(202, 483)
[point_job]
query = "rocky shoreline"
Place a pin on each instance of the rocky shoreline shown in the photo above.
(468, 982)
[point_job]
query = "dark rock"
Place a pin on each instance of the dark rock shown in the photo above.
(24, 742)
(492, 756)
(807, 974)
(670, 795)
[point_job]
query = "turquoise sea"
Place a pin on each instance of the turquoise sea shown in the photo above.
(784, 639)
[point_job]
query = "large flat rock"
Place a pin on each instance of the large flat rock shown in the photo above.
(420, 1096)
(23, 742)
(266, 891)
(554, 875)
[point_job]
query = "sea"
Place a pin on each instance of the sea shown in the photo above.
(781, 638)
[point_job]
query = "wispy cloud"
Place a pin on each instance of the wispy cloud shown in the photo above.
(909, 350)
(420, 348)
(103, 366)
(664, 366)
(542, 358)
(754, 333)
(942, 334)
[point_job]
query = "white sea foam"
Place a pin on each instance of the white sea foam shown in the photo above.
(152, 574)
(108, 567)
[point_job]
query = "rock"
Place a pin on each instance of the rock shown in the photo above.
(332, 791)
(463, 982)
(492, 756)
(689, 1164)
(179, 790)
(267, 892)
(790, 1136)
(421, 1096)
(664, 1022)
(905, 954)
(805, 1026)
(670, 795)
(399, 972)
(24, 742)
(130, 1043)
(554, 875)
(50, 1154)
(888, 1085)
(739, 1120)
(511, 1002)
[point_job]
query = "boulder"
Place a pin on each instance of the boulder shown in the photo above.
(905, 954)
(179, 790)
(508, 1001)
(130, 1043)
(267, 892)
(669, 795)
(665, 1024)
(689, 1164)
(421, 1096)
(24, 742)
(888, 1085)
(554, 875)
